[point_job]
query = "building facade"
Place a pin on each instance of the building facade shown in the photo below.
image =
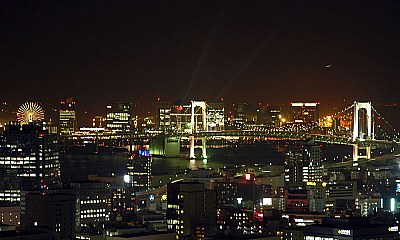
(67, 117)
(118, 117)
(29, 161)
(302, 164)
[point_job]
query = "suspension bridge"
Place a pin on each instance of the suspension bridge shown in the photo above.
(359, 125)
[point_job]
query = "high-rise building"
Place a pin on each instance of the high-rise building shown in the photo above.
(302, 164)
(163, 115)
(55, 211)
(98, 122)
(139, 170)
(305, 112)
(216, 116)
(67, 117)
(268, 116)
(91, 203)
(191, 210)
(119, 117)
(29, 160)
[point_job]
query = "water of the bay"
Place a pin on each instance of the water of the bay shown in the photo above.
(79, 166)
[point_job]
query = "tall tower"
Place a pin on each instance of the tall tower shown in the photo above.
(67, 117)
(196, 126)
(362, 128)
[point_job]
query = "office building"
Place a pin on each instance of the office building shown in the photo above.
(98, 122)
(10, 214)
(91, 203)
(139, 171)
(191, 210)
(341, 196)
(67, 117)
(29, 161)
(163, 115)
(118, 117)
(244, 113)
(55, 211)
(302, 164)
(297, 200)
(216, 116)
(305, 112)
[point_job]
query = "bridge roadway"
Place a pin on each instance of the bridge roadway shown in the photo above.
(268, 134)
(287, 135)
(363, 161)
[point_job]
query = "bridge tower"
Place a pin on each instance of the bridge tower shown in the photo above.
(194, 127)
(365, 134)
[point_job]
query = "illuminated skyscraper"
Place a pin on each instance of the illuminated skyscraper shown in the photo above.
(302, 164)
(305, 112)
(29, 161)
(67, 117)
(119, 117)
(139, 170)
(163, 115)
(216, 116)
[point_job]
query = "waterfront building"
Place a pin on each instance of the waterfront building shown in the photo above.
(118, 117)
(305, 112)
(163, 115)
(216, 116)
(67, 117)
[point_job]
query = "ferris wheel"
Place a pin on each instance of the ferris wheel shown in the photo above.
(29, 112)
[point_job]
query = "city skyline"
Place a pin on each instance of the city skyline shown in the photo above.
(254, 52)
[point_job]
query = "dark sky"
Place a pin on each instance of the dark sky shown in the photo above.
(269, 51)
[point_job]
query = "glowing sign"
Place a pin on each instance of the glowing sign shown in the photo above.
(267, 201)
(393, 229)
(152, 197)
(311, 184)
(144, 153)
(248, 176)
(397, 186)
(344, 232)
(164, 197)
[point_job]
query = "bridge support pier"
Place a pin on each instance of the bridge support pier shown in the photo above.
(368, 152)
(203, 148)
(191, 154)
(355, 155)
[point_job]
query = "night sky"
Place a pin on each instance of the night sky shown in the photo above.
(268, 51)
